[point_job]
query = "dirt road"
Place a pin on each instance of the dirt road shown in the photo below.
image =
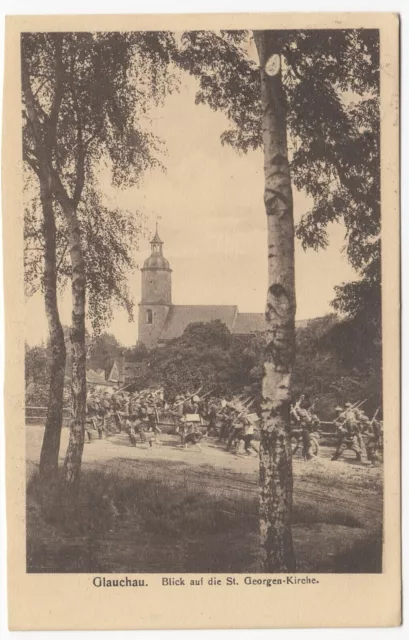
(336, 504)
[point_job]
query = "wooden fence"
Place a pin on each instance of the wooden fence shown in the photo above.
(38, 415)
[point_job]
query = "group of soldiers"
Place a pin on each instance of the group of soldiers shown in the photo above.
(234, 423)
(305, 426)
(230, 421)
(135, 413)
(195, 418)
(355, 431)
(200, 417)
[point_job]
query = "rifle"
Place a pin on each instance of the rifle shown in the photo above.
(188, 398)
(242, 412)
(375, 414)
(354, 406)
(206, 394)
(122, 388)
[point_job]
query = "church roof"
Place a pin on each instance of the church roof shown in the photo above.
(156, 237)
(180, 316)
(249, 323)
(156, 261)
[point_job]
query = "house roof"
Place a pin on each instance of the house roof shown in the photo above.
(118, 365)
(249, 323)
(94, 378)
(180, 316)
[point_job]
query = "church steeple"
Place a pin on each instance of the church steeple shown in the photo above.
(156, 243)
(156, 293)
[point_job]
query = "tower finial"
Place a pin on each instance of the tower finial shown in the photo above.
(156, 239)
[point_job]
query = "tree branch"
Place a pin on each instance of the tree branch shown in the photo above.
(30, 103)
(30, 161)
(51, 138)
(80, 164)
(40, 87)
(62, 257)
(92, 137)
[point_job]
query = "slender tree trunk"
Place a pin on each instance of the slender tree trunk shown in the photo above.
(73, 458)
(52, 435)
(45, 138)
(276, 483)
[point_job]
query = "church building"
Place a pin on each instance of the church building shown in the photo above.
(161, 321)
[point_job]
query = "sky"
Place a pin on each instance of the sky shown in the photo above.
(210, 210)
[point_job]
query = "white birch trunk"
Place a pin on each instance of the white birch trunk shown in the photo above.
(276, 483)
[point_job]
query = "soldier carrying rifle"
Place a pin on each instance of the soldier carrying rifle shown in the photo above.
(348, 431)
(373, 442)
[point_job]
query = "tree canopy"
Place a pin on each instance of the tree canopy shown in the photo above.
(111, 81)
(331, 83)
(87, 99)
(207, 356)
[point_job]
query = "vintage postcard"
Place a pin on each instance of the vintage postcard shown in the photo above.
(201, 244)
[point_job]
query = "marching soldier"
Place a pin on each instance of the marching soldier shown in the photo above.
(90, 416)
(96, 412)
(314, 435)
(227, 423)
(192, 436)
(306, 428)
(132, 416)
(248, 436)
(235, 431)
(117, 404)
(212, 420)
(348, 433)
(310, 437)
(373, 442)
(106, 411)
(152, 428)
(188, 407)
(363, 425)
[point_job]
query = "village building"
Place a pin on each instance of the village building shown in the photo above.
(122, 372)
(160, 320)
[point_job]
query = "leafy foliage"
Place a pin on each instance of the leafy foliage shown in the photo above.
(207, 356)
(92, 95)
(109, 238)
(138, 353)
(337, 361)
(36, 364)
(361, 299)
(102, 352)
(331, 81)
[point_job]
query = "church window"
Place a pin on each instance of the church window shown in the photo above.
(149, 316)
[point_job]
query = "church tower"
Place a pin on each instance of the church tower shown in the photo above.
(156, 294)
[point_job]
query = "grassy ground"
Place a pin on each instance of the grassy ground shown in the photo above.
(169, 513)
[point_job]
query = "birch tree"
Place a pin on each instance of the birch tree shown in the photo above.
(84, 96)
(299, 91)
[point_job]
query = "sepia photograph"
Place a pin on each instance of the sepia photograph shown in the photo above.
(202, 321)
(203, 317)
